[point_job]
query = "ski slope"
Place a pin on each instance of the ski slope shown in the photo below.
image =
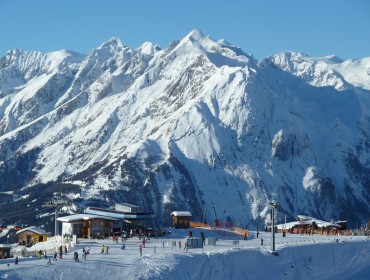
(299, 257)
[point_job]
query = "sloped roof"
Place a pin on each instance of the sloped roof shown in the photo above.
(181, 214)
(84, 216)
(34, 229)
(306, 220)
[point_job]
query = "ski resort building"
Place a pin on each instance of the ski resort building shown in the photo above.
(5, 251)
(127, 216)
(101, 222)
(309, 225)
(87, 225)
(181, 219)
(32, 235)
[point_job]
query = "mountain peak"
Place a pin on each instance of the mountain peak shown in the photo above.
(112, 43)
(196, 34)
(148, 48)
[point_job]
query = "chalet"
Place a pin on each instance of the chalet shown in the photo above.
(306, 224)
(87, 225)
(181, 219)
(127, 216)
(102, 222)
(31, 235)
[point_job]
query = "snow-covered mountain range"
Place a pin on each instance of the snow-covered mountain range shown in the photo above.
(188, 127)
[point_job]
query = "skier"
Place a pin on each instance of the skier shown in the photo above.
(102, 249)
(45, 255)
(107, 250)
(203, 237)
(49, 261)
(55, 256)
(245, 236)
(66, 248)
(16, 260)
(40, 254)
(123, 247)
(261, 242)
(76, 257)
(141, 251)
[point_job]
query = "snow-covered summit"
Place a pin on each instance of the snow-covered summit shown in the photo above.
(324, 71)
(197, 123)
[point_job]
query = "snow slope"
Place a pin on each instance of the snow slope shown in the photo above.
(299, 257)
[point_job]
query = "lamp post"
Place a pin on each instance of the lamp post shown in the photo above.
(273, 205)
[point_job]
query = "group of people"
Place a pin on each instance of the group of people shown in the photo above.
(104, 249)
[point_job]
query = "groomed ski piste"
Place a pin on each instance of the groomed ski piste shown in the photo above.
(297, 257)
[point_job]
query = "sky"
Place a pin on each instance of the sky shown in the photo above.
(260, 28)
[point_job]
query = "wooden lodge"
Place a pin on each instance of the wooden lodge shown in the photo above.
(181, 219)
(87, 225)
(310, 225)
(32, 235)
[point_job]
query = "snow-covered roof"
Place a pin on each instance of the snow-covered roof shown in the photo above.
(84, 216)
(327, 224)
(181, 214)
(34, 229)
(306, 220)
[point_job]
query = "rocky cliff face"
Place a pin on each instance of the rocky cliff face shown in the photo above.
(197, 123)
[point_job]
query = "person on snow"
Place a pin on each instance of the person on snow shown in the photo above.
(66, 249)
(76, 257)
(16, 260)
(55, 256)
(45, 255)
(49, 261)
(40, 254)
(141, 251)
(102, 249)
(107, 250)
(83, 251)
(123, 247)
(203, 237)
(245, 236)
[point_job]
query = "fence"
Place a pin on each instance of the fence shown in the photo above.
(199, 225)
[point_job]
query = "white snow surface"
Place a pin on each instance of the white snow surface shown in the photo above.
(299, 257)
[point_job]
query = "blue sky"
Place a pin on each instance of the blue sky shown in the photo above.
(262, 28)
